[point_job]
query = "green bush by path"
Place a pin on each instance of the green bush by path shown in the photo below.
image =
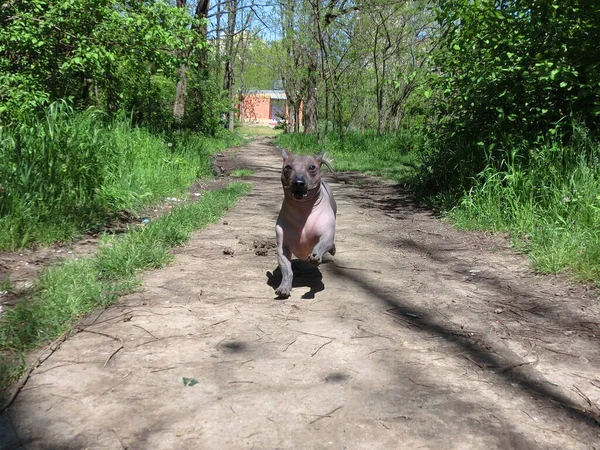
(550, 205)
(71, 172)
(66, 292)
(507, 75)
(393, 156)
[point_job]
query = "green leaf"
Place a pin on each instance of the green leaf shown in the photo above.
(190, 382)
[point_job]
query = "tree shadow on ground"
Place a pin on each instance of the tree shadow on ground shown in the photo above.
(394, 200)
(526, 305)
(487, 355)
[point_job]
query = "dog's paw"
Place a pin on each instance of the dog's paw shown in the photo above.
(283, 291)
(332, 250)
(315, 258)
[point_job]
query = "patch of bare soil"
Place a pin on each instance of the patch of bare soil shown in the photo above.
(224, 163)
(415, 335)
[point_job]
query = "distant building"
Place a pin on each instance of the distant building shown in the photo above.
(263, 107)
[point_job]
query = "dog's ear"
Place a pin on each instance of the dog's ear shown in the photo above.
(319, 157)
(284, 154)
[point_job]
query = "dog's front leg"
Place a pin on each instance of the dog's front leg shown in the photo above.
(284, 260)
(324, 245)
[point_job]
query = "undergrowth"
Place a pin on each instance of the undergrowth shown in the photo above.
(70, 172)
(239, 173)
(549, 203)
(65, 293)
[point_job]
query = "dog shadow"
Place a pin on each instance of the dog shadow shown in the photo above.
(305, 275)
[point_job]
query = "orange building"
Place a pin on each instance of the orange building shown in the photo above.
(263, 107)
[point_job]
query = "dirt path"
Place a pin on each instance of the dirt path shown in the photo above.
(414, 335)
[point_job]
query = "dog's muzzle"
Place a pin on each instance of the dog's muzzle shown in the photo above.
(299, 188)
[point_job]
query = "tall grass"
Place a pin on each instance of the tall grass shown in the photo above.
(71, 172)
(549, 203)
(391, 156)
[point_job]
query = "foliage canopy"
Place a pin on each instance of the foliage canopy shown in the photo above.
(510, 73)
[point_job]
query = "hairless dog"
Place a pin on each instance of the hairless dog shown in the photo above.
(306, 223)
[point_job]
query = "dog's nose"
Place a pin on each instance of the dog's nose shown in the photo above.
(300, 182)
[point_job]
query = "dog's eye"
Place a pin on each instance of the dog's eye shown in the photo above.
(312, 167)
(288, 168)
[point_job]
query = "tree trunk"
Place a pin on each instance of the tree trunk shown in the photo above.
(229, 87)
(180, 94)
(231, 119)
(310, 106)
(182, 85)
(181, 89)
(229, 79)
(202, 13)
(297, 117)
(340, 109)
(290, 117)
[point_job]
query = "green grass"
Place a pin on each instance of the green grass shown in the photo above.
(72, 172)
(550, 205)
(395, 157)
(65, 293)
(257, 130)
(5, 284)
(242, 173)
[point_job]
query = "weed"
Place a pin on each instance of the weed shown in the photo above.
(242, 173)
(6, 284)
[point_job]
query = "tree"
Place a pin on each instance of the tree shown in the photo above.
(239, 16)
(512, 73)
(201, 13)
(293, 65)
(334, 48)
(108, 53)
(522, 66)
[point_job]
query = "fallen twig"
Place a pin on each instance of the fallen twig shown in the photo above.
(377, 350)
(560, 353)
(142, 328)
(163, 369)
(420, 384)
(113, 353)
(594, 409)
(313, 334)
(114, 338)
(317, 350)
(219, 322)
(326, 415)
(288, 346)
(357, 268)
(481, 366)
(514, 366)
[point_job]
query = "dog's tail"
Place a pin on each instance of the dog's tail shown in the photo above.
(328, 162)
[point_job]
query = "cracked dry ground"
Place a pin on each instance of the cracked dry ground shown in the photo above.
(414, 335)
